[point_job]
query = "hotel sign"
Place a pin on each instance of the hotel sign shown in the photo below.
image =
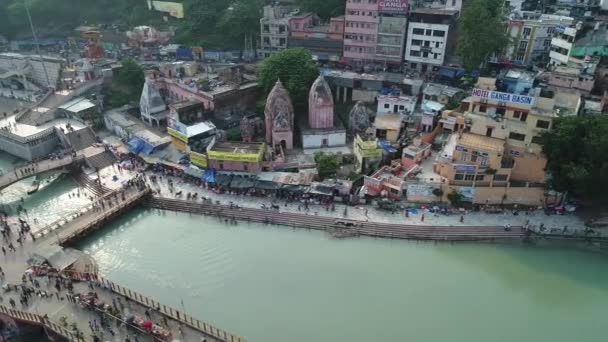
(503, 97)
(393, 6)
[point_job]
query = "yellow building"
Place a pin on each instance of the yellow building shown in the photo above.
(367, 153)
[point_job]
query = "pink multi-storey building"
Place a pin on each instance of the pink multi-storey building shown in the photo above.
(374, 31)
(360, 30)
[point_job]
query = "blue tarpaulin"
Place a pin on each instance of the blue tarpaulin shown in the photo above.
(137, 145)
(390, 91)
(209, 176)
(387, 146)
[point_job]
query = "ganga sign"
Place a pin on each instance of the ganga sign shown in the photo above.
(503, 97)
(393, 6)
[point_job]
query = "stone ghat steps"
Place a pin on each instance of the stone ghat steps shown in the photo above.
(81, 139)
(90, 184)
(101, 160)
(373, 229)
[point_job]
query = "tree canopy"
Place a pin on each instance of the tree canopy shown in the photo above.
(577, 152)
(481, 32)
(127, 85)
(324, 8)
(296, 70)
(327, 164)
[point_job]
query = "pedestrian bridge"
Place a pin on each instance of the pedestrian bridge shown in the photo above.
(32, 169)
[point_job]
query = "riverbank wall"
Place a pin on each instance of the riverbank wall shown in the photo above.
(340, 227)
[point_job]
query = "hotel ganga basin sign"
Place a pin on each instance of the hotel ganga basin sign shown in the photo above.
(393, 6)
(503, 97)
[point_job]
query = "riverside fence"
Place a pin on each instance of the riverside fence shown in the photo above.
(42, 321)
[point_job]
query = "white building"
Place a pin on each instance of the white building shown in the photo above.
(396, 104)
(274, 28)
(430, 37)
(151, 105)
(531, 34)
(561, 46)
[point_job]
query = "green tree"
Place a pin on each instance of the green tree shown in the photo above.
(327, 164)
(482, 32)
(455, 198)
(126, 87)
(296, 70)
(577, 156)
(239, 20)
(323, 8)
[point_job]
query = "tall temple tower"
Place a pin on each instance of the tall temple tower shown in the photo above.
(279, 118)
(320, 105)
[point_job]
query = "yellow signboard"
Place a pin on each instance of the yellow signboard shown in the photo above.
(198, 159)
(174, 133)
(242, 157)
(180, 145)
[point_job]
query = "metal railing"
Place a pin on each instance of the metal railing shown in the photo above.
(40, 320)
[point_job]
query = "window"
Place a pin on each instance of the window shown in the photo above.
(482, 108)
(435, 56)
(523, 45)
(416, 42)
(245, 168)
(437, 44)
(547, 43)
(459, 176)
(520, 56)
(469, 177)
(221, 166)
(401, 107)
(425, 54)
(484, 160)
(474, 155)
(415, 53)
(387, 106)
(282, 41)
(427, 43)
(501, 178)
(464, 156)
(479, 177)
(517, 136)
(428, 32)
(524, 117)
(516, 114)
(527, 31)
(418, 31)
(550, 30)
(438, 33)
(281, 28)
(266, 28)
(500, 111)
(536, 140)
(543, 124)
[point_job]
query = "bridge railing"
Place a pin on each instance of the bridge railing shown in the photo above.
(175, 314)
(40, 320)
(15, 175)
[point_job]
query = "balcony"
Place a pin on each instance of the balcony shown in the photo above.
(352, 42)
(507, 163)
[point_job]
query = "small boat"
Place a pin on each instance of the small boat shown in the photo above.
(33, 187)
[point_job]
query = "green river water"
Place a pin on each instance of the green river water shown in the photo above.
(268, 283)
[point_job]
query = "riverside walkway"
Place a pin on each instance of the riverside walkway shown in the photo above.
(333, 225)
(58, 308)
(35, 168)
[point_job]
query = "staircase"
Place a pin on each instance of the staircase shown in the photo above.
(90, 184)
(81, 139)
(99, 161)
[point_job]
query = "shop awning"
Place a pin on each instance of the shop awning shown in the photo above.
(298, 189)
(266, 185)
(241, 182)
(223, 180)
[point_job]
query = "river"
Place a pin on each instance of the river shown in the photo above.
(268, 283)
